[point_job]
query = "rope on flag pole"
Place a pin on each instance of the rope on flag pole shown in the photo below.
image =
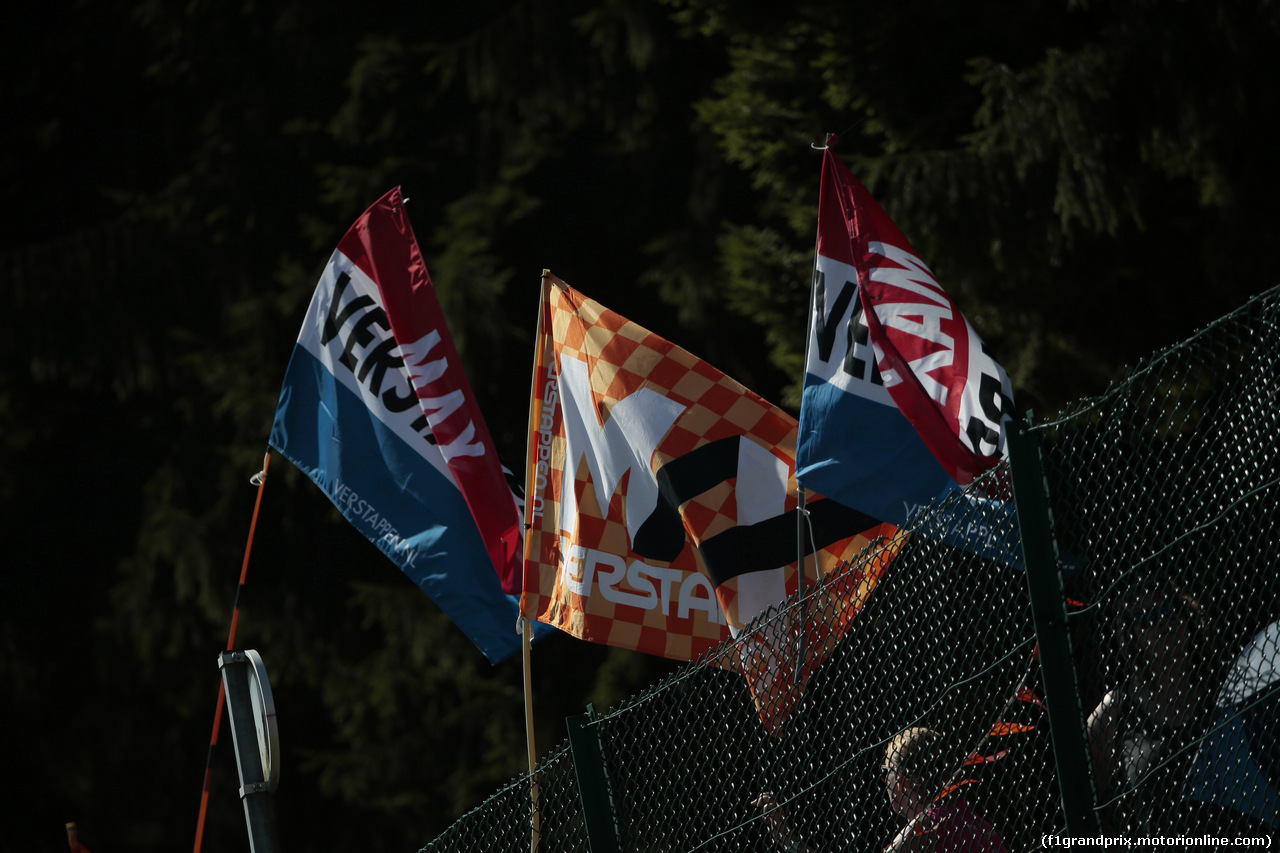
(259, 480)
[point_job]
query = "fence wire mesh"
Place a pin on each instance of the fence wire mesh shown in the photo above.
(506, 821)
(930, 702)
(1164, 493)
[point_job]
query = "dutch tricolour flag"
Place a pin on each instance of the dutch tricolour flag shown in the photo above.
(901, 402)
(352, 419)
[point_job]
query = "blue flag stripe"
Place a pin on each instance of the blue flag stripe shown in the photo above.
(864, 454)
(386, 490)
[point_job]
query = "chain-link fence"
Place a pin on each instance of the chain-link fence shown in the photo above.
(1140, 619)
(1165, 490)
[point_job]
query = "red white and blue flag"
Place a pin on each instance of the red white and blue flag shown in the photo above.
(901, 401)
(376, 409)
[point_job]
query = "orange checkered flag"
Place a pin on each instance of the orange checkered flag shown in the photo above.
(661, 505)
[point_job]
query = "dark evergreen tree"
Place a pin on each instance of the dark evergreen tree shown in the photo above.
(1089, 180)
(1086, 179)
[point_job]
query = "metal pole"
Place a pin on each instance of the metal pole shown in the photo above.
(593, 784)
(1049, 609)
(798, 675)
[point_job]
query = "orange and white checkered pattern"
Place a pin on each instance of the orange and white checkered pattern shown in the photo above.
(663, 608)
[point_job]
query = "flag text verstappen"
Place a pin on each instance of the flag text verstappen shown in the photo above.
(369, 351)
(382, 531)
(839, 345)
(546, 432)
(586, 569)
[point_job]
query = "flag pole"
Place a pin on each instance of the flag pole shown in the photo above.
(260, 479)
(800, 587)
(536, 812)
(800, 510)
(526, 625)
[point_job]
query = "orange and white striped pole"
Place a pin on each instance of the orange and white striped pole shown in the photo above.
(261, 478)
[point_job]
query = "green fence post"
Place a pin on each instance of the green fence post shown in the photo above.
(1049, 609)
(593, 783)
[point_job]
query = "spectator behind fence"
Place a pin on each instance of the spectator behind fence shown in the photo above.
(915, 778)
(1237, 766)
(1141, 734)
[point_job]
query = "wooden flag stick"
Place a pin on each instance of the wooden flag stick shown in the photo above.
(526, 624)
(527, 632)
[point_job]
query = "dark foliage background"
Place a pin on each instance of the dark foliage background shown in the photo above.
(1090, 180)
